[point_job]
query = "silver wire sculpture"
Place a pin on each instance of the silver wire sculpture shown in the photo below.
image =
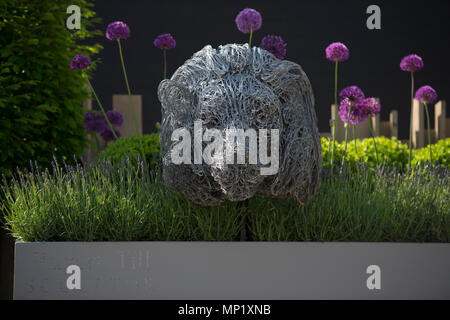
(237, 87)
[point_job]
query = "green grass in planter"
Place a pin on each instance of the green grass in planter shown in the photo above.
(129, 202)
(109, 203)
(365, 205)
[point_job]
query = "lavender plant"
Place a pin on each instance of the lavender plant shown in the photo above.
(108, 202)
(123, 202)
(362, 205)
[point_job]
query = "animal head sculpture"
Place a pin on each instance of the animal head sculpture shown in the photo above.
(234, 89)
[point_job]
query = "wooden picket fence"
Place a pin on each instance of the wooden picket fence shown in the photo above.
(389, 128)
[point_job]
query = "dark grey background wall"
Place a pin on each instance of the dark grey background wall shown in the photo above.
(307, 26)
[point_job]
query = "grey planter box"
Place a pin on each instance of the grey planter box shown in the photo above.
(231, 270)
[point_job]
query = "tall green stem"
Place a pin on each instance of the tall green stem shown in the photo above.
(346, 135)
(103, 110)
(129, 95)
(354, 138)
(329, 141)
(250, 40)
(333, 127)
(128, 87)
(429, 133)
(97, 142)
(373, 137)
(165, 64)
(411, 120)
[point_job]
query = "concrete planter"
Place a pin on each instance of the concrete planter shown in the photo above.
(231, 270)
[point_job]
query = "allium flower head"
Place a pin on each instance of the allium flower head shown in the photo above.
(337, 51)
(115, 117)
(108, 135)
(117, 30)
(358, 112)
(411, 63)
(80, 62)
(352, 94)
(426, 94)
(372, 105)
(275, 45)
(94, 122)
(248, 19)
(165, 42)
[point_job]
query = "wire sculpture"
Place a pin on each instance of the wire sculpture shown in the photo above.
(234, 86)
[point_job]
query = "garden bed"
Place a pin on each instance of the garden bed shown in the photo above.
(132, 238)
(128, 202)
(231, 270)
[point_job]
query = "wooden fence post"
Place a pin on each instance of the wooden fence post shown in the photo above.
(393, 123)
(376, 125)
(418, 135)
(340, 131)
(440, 120)
(121, 103)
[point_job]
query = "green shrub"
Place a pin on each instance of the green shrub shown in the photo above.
(129, 147)
(40, 96)
(326, 151)
(440, 152)
(391, 152)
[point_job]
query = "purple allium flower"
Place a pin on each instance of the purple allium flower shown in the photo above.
(372, 105)
(426, 94)
(337, 51)
(80, 62)
(165, 42)
(353, 94)
(352, 99)
(411, 63)
(94, 122)
(115, 117)
(117, 30)
(275, 45)
(358, 112)
(248, 19)
(108, 135)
